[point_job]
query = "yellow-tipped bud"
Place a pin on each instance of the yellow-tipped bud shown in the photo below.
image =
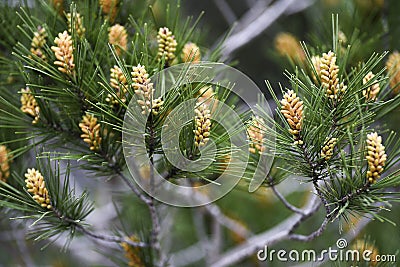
(256, 133)
(4, 163)
(329, 76)
(58, 5)
(376, 157)
(119, 83)
(316, 61)
(393, 67)
(342, 38)
(144, 89)
(64, 53)
(362, 245)
(37, 187)
(38, 42)
(29, 105)
(118, 37)
(327, 149)
(202, 125)
(191, 53)
(288, 45)
(77, 23)
(91, 131)
(371, 92)
(157, 106)
(166, 45)
(109, 8)
(292, 110)
(132, 253)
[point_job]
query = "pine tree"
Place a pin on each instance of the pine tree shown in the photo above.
(80, 70)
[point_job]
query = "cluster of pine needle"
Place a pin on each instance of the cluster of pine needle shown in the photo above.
(76, 67)
(78, 70)
(330, 115)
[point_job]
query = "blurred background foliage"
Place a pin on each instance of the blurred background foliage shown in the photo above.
(374, 25)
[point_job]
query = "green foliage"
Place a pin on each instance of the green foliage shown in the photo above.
(68, 210)
(342, 179)
(64, 98)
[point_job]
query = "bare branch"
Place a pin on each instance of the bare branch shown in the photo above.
(229, 223)
(300, 5)
(200, 227)
(351, 234)
(109, 238)
(255, 10)
(269, 237)
(189, 255)
(307, 238)
(135, 190)
(226, 11)
(150, 202)
(285, 202)
(253, 23)
(255, 28)
(215, 243)
(251, 2)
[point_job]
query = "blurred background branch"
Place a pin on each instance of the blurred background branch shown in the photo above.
(256, 20)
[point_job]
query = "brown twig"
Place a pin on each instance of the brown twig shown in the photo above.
(283, 199)
(276, 234)
(107, 238)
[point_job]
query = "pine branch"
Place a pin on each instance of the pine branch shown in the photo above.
(134, 189)
(155, 232)
(250, 29)
(313, 235)
(355, 193)
(315, 179)
(106, 238)
(226, 11)
(224, 220)
(274, 235)
(283, 199)
(350, 235)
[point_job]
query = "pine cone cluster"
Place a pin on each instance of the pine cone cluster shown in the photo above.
(329, 72)
(166, 45)
(376, 157)
(327, 149)
(191, 53)
(38, 42)
(288, 45)
(4, 163)
(109, 8)
(118, 37)
(29, 104)
(393, 67)
(132, 253)
(256, 133)
(75, 22)
(372, 91)
(37, 187)
(143, 87)
(292, 110)
(64, 53)
(91, 131)
(119, 83)
(202, 125)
